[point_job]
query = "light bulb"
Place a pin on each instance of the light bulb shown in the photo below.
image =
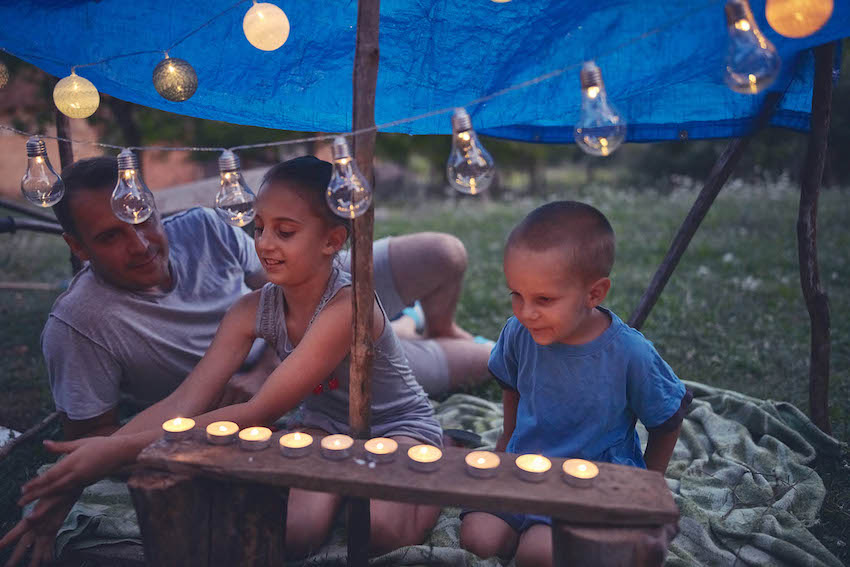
(235, 200)
(41, 185)
(266, 26)
(76, 97)
(752, 63)
(470, 168)
(348, 194)
(132, 201)
(797, 18)
(4, 75)
(174, 79)
(600, 129)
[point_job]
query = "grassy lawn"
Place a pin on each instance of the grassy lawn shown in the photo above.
(731, 316)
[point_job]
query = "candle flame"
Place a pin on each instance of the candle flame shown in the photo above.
(178, 421)
(481, 460)
(255, 431)
(582, 468)
(336, 442)
(379, 446)
(423, 450)
(222, 428)
(297, 437)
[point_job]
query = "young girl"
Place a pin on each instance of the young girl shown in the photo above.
(305, 313)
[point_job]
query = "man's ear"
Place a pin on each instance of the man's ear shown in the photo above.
(336, 238)
(76, 247)
(598, 291)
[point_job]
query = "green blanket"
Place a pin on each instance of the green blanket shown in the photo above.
(740, 475)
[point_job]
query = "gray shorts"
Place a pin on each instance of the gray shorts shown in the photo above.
(384, 284)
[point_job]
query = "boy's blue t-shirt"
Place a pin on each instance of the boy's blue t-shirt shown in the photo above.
(583, 400)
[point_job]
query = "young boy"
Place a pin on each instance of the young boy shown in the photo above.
(575, 378)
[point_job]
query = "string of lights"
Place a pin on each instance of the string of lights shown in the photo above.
(752, 64)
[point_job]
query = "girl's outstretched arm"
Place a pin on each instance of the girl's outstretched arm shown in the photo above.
(204, 385)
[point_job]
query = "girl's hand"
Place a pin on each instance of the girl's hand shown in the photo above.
(88, 460)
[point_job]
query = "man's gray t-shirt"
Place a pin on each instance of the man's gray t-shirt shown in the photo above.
(101, 341)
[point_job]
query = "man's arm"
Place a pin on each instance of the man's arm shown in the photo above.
(104, 424)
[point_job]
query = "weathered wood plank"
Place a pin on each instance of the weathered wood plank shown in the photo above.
(580, 546)
(621, 496)
(173, 512)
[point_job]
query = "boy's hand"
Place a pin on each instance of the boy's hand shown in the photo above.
(659, 449)
(37, 532)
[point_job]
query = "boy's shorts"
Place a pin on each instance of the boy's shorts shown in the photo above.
(518, 522)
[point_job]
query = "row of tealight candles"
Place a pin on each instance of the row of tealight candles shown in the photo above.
(422, 458)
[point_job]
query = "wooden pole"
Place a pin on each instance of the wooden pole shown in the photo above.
(362, 350)
(720, 173)
(817, 301)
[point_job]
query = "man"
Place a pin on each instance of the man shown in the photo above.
(141, 314)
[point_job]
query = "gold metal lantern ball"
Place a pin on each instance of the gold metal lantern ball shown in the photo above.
(76, 97)
(4, 75)
(175, 79)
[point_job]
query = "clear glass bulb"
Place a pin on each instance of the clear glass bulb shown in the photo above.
(348, 194)
(41, 185)
(752, 63)
(266, 26)
(797, 18)
(132, 201)
(470, 168)
(235, 200)
(600, 129)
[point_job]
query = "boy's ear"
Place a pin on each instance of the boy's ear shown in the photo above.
(76, 247)
(598, 291)
(336, 238)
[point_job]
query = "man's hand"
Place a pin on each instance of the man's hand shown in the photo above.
(88, 460)
(37, 532)
(241, 388)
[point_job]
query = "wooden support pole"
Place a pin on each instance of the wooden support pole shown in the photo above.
(720, 173)
(174, 513)
(817, 301)
(365, 80)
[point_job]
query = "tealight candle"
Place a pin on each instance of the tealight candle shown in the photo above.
(580, 473)
(296, 444)
(254, 438)
(178, 428)
(381, 449)
(222, 432)
(424, 458)
(482, 464)
(337, 447)
(533, 467)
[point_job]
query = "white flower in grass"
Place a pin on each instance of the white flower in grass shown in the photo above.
(728, 258)
(703, 271)
(750, 283)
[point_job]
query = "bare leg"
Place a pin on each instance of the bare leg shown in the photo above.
(309, 518)
(535, 547)
(467, 362)
(429, 266)
(487, 535)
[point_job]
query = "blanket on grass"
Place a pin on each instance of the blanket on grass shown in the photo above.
(740, 474)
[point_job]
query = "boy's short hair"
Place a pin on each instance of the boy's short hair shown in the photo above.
(581, 230)
(91, 174)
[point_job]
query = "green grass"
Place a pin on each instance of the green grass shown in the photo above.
(731, 316)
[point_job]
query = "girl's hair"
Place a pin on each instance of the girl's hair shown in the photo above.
(309, 177)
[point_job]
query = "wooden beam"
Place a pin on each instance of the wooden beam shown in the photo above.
(621, 496)
(816, 299)
(720, 173)
(365, 79)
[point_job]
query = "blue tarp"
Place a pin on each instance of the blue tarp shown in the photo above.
(662, 61)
